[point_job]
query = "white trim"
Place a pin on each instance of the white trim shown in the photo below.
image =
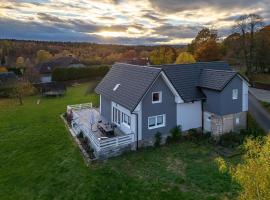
(138, 111)
(157, 126)
(100, 104)
(160, 97)
(244, 96)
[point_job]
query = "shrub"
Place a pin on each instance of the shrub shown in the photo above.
(157, 139)
(231, 139)
(176, 133)
(80, 135)
(67, 74)
(192, 135)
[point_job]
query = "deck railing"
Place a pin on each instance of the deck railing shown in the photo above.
(98, 143)
(101, 144)
(80, 106)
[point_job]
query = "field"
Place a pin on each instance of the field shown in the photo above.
(39, 160)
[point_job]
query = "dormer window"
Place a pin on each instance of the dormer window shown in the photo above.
(156, 97)
(116, 86)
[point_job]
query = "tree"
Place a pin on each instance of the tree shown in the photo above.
(203, 36)
(185, 58)
(43, 56)
(20, 62)
(31, 74)
(3, 69)
(263, 49)
(253, 173)
(21, 88)
(208, 51)
(163, 55)
(247, 25)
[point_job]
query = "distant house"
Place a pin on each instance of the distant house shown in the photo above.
(7, 78)
(137, 61)
(144, 100)
(45, 69)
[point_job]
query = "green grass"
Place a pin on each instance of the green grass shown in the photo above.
(266, 105)
(39, 160)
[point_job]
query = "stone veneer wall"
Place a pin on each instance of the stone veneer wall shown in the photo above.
(226, 123)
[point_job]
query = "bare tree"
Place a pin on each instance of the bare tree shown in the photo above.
(247, 25)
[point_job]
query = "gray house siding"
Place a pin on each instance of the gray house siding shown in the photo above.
(167, 107)
(221, 103)
(105, 108)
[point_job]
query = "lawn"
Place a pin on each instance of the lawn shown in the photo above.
(266, 105)
(39, 160)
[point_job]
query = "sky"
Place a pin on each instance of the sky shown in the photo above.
(135, 22)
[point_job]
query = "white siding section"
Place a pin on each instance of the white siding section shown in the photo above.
(122, 126)
(100, 104)
(245, 96)
(138, 110)
(189, 115)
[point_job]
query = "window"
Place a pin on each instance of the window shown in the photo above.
(235, 94)
(237, 120)
(156, 97)
(126, 119)
(156, 121)
(120, 117)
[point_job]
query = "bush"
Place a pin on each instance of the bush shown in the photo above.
(192, 135)
(80, 135)
(176, 134)
(231, 139)
(157, 139)
(67, 74)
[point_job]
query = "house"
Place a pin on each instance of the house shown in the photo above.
(144, 100)
(7, 78)
(45, 69)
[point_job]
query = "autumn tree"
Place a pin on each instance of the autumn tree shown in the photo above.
(21, 88)
(20, 62)
(253, 173)
(208, 51)
(43, 56)
(203, 36)
(162, 55)
(185, 58)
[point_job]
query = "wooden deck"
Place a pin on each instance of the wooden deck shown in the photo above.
(82, 114)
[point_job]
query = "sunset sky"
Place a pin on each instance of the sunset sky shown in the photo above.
(148, 22)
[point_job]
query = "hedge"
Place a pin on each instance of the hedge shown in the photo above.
(67, 74)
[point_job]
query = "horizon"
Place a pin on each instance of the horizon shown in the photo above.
(121, 22)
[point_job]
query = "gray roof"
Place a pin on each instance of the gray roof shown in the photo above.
(185, 77)
(7, 78)
(134, 81)
(215, 79)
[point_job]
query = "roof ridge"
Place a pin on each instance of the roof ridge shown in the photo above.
(141, 66)
(223, 70)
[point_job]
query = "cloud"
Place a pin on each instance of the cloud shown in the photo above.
(122, 21)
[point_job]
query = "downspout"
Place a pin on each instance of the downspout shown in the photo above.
(202, 115)
(137, 131)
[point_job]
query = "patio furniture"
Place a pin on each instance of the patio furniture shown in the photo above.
(106, 129)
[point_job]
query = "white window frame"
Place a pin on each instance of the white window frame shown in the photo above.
(237, 120)
(157, 126)
(160, 97)
(126, 119)
(235, 94)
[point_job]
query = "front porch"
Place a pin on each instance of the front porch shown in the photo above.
(87, 120)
